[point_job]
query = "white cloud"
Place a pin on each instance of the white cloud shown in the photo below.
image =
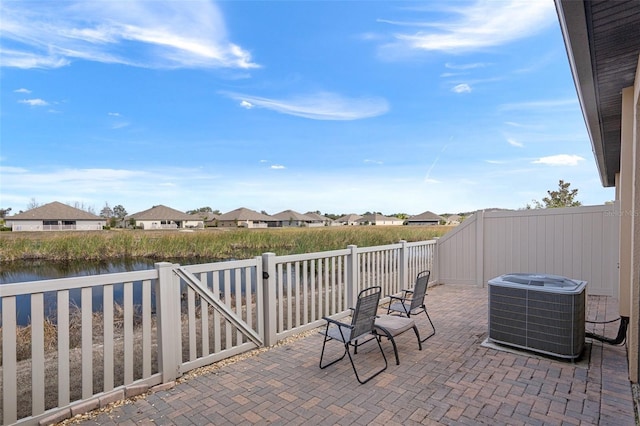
(514, 142)
(559, 160)
(461, 88)
(23, 90)
(165, 34)
(318, 106)
(245, 104)
(278, 167)
(114, 114)
(481, 25)
(34, 102)
(369, 161)
(465, 66)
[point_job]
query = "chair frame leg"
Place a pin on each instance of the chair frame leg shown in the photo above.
(326, 339)
(353, 365)
(348, 352)
(430, 322)
(415, 329)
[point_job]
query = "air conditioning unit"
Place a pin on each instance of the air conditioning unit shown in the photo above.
(537, 312)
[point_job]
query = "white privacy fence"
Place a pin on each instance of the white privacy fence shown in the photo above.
(576, 242)
(95, 339)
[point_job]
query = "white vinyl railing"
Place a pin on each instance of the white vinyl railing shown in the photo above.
(95, 339)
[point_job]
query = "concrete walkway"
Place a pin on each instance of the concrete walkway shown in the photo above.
(455, 379)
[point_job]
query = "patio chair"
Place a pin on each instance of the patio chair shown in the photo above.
(412, 301)
(359, 331)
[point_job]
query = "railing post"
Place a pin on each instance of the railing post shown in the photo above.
(435, 261)
(168, 317)
(269, 300)
(404, 264)
(352, 276)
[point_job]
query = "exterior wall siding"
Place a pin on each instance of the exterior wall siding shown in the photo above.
(37, 225)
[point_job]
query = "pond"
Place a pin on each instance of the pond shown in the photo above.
(24, 271)
(36, 270)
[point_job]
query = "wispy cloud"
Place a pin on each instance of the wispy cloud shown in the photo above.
(277, 167)
(317, 106)
(559, 160)
(139, 33)
(120, 125)
(427, 178)
(34, 102)
(514, 142)
(481, 25)
(465, 66)
(537, 105)
(369, 161)
(22, 90)
(461, 88)
(114, 114)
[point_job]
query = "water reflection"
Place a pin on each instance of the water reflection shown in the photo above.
(36, 270)
(24, 271)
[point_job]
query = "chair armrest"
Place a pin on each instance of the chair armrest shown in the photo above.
(396, 298)
(336, 322)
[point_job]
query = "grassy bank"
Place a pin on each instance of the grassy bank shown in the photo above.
(208, 243)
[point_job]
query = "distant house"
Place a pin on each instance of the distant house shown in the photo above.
(454, 219)
(426, 218)
(245, 218)
(211, 220)
(323, 220)
(163, 217)
(349, 219)
(290, 218)
(378, 219)
(55, 217)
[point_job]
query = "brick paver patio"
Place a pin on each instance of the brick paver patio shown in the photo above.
(455, 379)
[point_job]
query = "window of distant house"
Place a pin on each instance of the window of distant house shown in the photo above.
(50, 222)
(68, 222)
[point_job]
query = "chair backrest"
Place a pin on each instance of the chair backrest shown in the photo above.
(364, 314)
(420, 289)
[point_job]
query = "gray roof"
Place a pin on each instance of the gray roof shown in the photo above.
(292, 215)
(246, 214)
(602, 42)
(377, 217)
(161, 213)
(316, 216)
(349, 218)
(55, 211)
(425, 217)
(206, 216)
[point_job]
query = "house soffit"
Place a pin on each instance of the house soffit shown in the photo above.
(603, 43)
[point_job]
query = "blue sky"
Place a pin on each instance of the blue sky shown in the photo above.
(337, 106)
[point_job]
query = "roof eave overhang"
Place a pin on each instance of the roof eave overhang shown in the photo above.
(575, 31)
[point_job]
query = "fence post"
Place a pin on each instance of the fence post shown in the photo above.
(480, 248)
(168, 317)
(352, 276)
(404, 264)
(269, 298)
